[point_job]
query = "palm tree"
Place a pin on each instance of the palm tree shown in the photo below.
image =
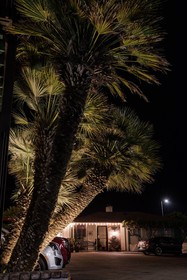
(125, 158)
(105, 164)
(39, 90)
(20, 166)
(92, 44)
(31, 91)
(21, 149)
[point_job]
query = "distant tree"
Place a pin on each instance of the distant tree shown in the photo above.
(92, 44)
(176, 221)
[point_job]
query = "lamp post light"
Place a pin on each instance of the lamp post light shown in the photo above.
(164, 201)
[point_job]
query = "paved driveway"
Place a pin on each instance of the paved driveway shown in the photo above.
(126, 266)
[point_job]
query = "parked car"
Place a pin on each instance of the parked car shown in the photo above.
(4, 232)
(56, 255)
(65, 248)
(50, 258)
(161, 245)
(2, 238)
(141, 245)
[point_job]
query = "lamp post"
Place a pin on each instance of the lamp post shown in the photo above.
(164, 201)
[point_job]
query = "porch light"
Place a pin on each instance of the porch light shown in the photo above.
(115, 233)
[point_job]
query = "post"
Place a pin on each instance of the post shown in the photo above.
(164, 201)
(162, 208)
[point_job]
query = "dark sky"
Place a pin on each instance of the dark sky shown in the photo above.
(167, 111)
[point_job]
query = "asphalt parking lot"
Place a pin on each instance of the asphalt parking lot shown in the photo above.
(126, 266)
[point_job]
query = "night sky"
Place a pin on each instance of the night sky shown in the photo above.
(167, 112)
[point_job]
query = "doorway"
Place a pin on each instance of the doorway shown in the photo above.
(102, 238)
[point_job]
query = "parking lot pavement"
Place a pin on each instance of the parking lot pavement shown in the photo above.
(126, 266)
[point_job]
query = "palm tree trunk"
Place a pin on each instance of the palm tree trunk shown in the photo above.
(14, 232)
(50, 168)
(93, 185)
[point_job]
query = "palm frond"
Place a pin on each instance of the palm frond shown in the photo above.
(116, 40)
(35, 10)
(95, 116)
(21, 160)
(40, 90)
(126, 150)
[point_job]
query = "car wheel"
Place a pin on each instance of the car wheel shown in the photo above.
(41, 265)
(158, 251)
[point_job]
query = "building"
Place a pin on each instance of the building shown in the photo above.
(114, 231)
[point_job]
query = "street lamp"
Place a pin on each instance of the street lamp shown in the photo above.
(164, 201)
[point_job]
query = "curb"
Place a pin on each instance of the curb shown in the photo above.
(37, 275)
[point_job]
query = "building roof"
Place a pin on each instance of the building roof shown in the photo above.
(114, 217)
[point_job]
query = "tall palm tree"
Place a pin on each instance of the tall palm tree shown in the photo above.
(39, 90)
(32, 90)
(106, 165)
(20, 166)
(92, 44)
